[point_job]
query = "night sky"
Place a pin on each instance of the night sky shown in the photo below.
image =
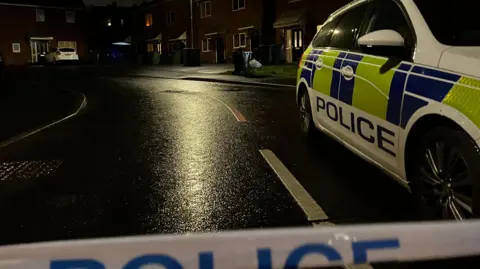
(106, 2)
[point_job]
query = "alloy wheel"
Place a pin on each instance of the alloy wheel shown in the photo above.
(305, 113)
(446, 182)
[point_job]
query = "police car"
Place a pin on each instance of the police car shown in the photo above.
(398, 83)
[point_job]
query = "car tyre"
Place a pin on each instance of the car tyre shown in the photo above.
(307, 126)
(444, 173)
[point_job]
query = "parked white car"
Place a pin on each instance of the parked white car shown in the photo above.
(61, 54)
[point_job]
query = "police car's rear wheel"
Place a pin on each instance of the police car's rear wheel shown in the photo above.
(306, 121)
(445, 169)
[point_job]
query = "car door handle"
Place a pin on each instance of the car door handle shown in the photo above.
(347, 72)
(319, 63)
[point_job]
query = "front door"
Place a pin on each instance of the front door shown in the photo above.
(297, 42)
(288, 46)
(220, 50)
(38, 49)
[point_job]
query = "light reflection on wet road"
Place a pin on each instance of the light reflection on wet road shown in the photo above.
(164, 156)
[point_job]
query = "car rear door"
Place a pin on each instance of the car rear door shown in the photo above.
(324, 76)
(327, 75)
(372, 84)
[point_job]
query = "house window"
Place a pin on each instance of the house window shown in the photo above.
(297, 39)
(150, 47)
(67, 44)
(148, 19)
(70, 16)
(16, 47)
(40, 15)
(121, 22)
(207, 45)
(238, 4)
(239, 40)
(205, 9)
(159, 48)
(170, 18)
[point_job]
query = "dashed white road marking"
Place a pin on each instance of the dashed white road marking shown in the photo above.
(311, 208)
(313, 211)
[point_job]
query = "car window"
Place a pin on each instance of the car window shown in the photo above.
(388, 15)
(322, 39)
(345, 33)
(67, 50)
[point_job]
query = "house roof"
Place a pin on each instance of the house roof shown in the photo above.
(45, 3)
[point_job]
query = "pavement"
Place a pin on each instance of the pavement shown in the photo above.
(209, 73)
(153, 155)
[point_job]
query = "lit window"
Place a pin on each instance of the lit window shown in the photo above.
(148, 19)
(239, 40)
(70, 16)
(121, 22)
(16, 47)
(67, 44)
(40, 15)
(150, 47)
(159, 48)
(205, 9)
(238, 4)
(207, 45)
(170, 18)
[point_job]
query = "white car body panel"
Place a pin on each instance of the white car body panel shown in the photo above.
(464, 60)
(428, 50)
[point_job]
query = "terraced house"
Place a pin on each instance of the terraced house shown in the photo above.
(219, 27)
(223, 26)
(166, 25)
(297, 22)
(30, 28)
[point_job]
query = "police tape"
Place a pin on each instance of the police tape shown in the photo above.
(262, 249)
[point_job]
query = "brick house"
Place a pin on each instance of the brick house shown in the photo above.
(166, 28)
(32, 27)
(297, 22)
(222, 26)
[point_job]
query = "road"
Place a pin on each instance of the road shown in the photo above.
(151, 156)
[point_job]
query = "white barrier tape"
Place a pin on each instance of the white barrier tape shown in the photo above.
(262, 249)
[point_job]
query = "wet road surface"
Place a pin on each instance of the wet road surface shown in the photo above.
(151, 156)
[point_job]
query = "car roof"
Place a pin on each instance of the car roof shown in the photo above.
(345, 8)
(350, 5)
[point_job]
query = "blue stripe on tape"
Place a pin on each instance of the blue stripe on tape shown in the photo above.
(410, 106)
(395, 97)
